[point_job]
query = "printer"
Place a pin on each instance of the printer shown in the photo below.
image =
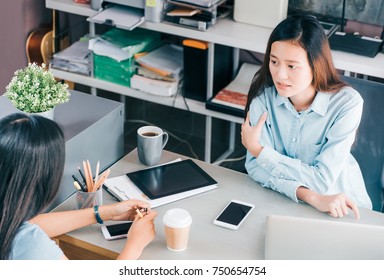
(127, 14)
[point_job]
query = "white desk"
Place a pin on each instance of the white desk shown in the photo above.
(208, 241)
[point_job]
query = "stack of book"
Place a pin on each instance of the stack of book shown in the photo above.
(114, 50)
(233, 98)
(160, 71)
(75, 58)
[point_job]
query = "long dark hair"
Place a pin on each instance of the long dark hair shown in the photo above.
(306, 31)
(32, 155)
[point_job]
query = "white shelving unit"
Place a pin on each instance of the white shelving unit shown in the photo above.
(225, 32)
(194, 105)
(238, 35)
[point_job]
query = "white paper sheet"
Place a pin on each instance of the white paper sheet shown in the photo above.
(120, 16)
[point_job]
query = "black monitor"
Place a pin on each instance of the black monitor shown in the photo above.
(364, 31)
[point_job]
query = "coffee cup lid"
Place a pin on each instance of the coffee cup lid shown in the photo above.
(177, 218)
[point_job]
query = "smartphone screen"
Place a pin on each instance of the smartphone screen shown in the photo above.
(118, 229)
(234, 213)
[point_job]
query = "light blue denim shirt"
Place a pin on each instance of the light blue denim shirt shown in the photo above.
(309, 148)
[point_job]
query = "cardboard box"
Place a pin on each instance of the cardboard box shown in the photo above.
(259, 12)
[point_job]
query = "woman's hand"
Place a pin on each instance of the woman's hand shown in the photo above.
(123, 211)
(250, 135)
(336, 205)
(141, 233)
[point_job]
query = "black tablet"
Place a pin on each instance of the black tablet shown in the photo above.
(170, 179)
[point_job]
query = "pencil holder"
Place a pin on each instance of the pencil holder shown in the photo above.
(88, 199)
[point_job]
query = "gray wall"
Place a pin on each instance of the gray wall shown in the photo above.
(17, 19)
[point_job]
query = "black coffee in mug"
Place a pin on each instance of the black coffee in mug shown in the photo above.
(151, 140)
(150, 134)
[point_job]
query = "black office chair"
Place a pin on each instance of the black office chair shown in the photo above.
(368, 148)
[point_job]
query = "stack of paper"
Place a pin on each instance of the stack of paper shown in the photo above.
(166, 60)
(154, 86)
(122, 44)
(201, 3)
(196, 14)
(75, 58)
(114, 51)
(160, 71)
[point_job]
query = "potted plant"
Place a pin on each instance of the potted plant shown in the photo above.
(33, 89)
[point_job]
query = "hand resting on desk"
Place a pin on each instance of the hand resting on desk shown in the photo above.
(336, 205)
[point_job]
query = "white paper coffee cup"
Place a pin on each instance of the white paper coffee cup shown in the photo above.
(177, 224)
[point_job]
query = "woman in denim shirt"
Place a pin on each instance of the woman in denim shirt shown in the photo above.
(301, 121)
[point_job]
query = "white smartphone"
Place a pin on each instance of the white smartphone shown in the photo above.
(233, 214)
(116, 231)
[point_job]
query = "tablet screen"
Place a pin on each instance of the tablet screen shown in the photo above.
(170, 179)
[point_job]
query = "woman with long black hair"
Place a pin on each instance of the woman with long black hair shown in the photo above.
(32, 155)
(301, 121)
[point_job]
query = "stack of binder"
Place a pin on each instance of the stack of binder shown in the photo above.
(196, 14)
(160, 71)
(114, 50)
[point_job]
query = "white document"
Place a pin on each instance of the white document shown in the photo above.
(102, 47)
(78, 52)
(122, 188)
(120, 16)
(243, 79)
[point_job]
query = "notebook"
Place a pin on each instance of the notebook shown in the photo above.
(304, 238)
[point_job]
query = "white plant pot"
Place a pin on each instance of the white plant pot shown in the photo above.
(48, 114)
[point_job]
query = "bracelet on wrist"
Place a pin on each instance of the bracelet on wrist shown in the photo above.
(97, 214)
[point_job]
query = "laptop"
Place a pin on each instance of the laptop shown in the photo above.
(294, 238)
